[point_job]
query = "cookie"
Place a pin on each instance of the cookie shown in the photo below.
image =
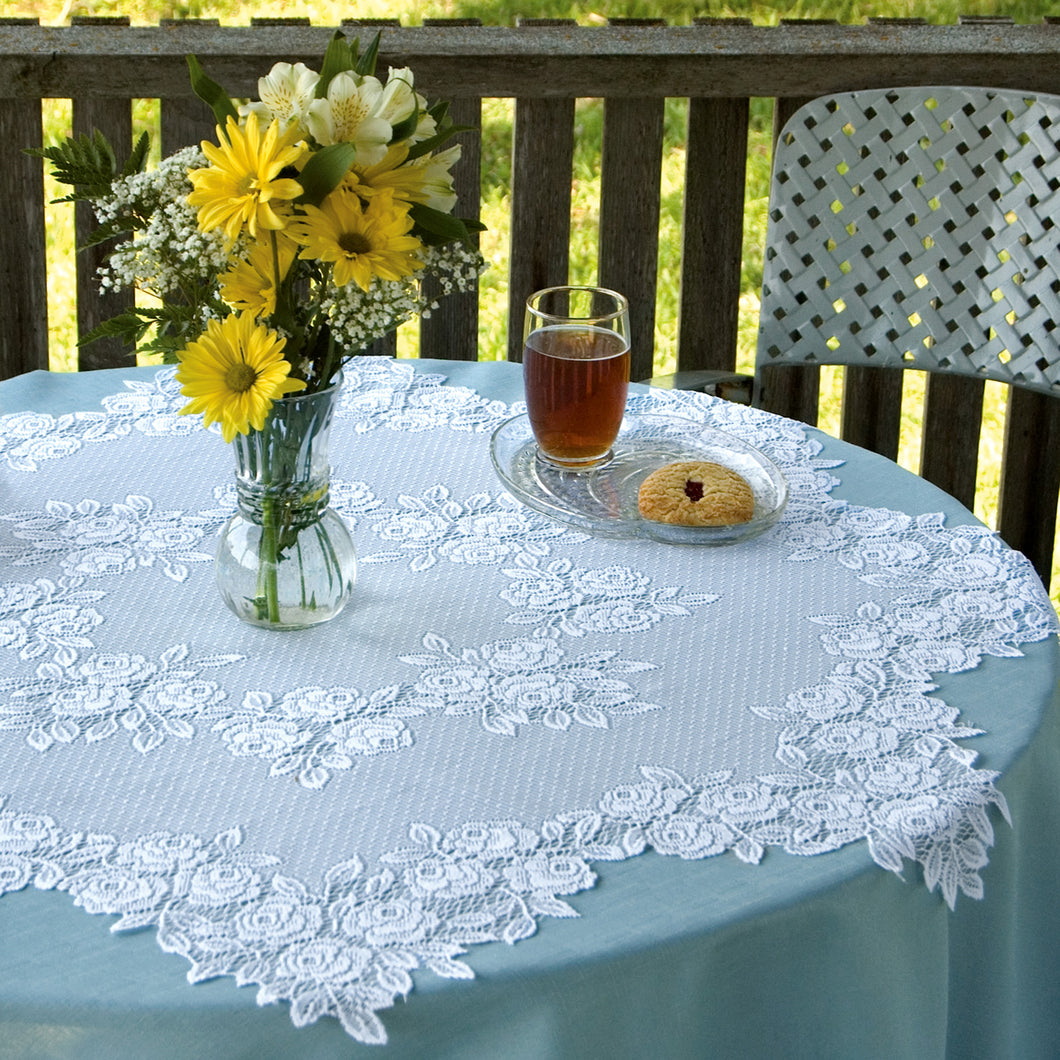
(696, 493)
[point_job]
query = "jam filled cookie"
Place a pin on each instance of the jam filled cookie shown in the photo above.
(696, 493)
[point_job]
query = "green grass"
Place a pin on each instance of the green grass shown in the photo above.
(496, 164)
(505, 12)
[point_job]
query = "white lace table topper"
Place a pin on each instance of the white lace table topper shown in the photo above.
(321, 813)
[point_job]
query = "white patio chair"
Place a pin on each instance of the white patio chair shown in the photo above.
(920, 228)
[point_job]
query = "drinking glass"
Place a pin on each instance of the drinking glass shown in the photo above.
(576, 373)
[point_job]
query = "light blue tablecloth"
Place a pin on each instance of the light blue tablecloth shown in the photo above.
(821, 957)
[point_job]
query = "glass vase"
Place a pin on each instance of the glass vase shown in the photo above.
(285, 559)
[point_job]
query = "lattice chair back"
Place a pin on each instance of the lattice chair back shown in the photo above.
(918, 228)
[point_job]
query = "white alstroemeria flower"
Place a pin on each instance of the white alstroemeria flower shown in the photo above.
(426, 126)
(437, 188)
(285, 93)
(350, 114)
(398, 100)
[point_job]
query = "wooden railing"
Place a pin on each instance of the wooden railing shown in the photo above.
(101, 65)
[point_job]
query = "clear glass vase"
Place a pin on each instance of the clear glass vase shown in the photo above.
(285, 559)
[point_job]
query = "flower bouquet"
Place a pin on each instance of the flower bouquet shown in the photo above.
(273, 256)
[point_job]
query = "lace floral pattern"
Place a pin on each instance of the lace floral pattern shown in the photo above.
(578, 601)
(481, 530)
(310, 732)
(343, 950)
(151, 408)
(28, 438)
(865, 752)
(379, 393)
(91, 540)
(36, 617)
(525, 681)
(113, 691)
(347, 949)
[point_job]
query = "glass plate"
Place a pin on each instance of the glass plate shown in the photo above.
(603, 501)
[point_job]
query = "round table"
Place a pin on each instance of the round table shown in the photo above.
(823, 956)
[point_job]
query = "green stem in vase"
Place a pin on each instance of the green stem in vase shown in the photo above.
(285, 560)
(301, 573)
(268, 586)
(331, 561)
(330, 358)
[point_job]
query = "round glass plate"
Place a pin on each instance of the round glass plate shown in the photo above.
(603, 501)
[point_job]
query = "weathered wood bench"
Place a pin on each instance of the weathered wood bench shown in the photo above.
(718, 65)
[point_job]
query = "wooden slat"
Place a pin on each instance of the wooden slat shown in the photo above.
(712, 239)
(23, 269)
(184, 119)
(113, 118)
(712, 227)
(871, 413)
(383, 347)
(1030, 477)
(953, 416)
(451, 331)
(985, 20)
(630, 181)
(24, 330)
(793, 390)
(542, 158)
(789, 391)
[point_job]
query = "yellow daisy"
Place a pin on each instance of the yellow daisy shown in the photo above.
(250, 284)
(390, 173)
(233, 373)
(361, 242)
(243, 183)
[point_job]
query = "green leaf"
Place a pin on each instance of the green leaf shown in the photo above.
(173, 323)
(338, 58)
(435, 227)
(166, 346)
(137, 161)
(112, 229)
(102, 152)
(366, 62)
(324, 170)
(130, 327)
(211, 93)
(88, 163)
(425, 147)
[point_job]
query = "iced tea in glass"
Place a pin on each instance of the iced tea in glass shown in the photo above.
(576, 373)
